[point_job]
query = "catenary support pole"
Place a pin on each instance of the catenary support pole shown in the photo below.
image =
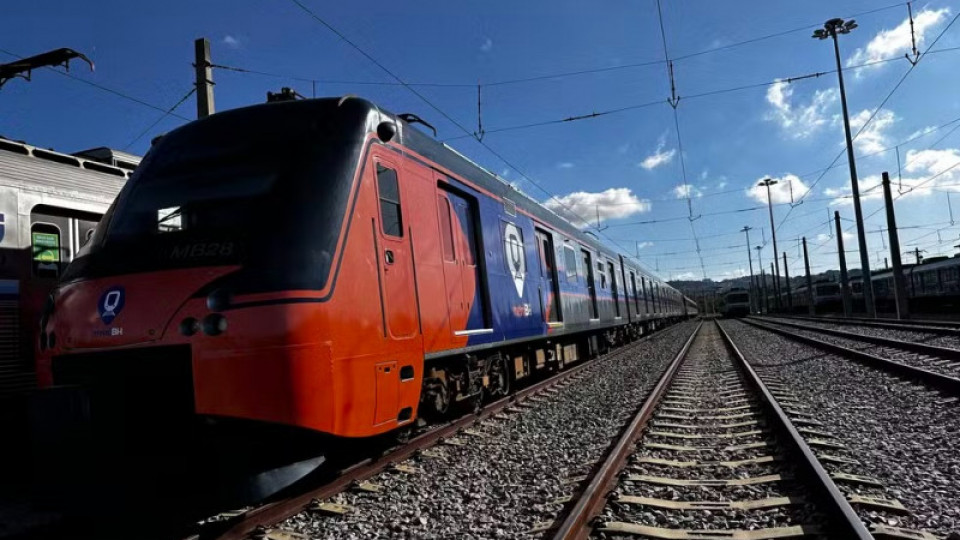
(786, 277)
(899, 283)
(204, 75)
(806, 265)
(844, 280)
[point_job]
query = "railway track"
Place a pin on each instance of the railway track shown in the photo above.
(717, 453)
(931, 323)
(266, 521)
(899, 431)
(938, 367)
(944, 328)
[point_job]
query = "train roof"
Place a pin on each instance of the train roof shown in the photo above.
(935, 264)
(110, 156)
(29, 167)
(451, 159)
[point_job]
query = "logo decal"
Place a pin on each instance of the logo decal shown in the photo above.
(110, 304)
(2, 228)
(513, 246)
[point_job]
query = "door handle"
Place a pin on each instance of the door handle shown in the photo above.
(388, 256)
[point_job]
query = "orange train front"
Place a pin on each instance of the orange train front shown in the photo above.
(323, 265)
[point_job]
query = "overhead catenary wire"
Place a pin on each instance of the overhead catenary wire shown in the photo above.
(874, 113)
(429, 103)
(103, 88)
(166, 114)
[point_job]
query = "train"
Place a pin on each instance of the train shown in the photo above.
(933, 286)
(826, 297)
(50, 203)
(323, 266)
(735, 302)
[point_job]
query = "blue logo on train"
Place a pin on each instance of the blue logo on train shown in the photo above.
(110, 304)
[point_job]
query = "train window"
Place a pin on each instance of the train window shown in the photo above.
(465, 215)
(446, 228)
(602, 274)
(45, 241)
(633, 284)
(570, 263)
(389, 190)
(169, 219)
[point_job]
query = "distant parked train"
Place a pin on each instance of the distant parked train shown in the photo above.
(735, 303)
(826, 297)
(50, 203)
(323, 266)
(932, 286)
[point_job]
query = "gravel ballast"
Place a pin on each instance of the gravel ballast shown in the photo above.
(901, 432)
(936, 364)
(505, 477)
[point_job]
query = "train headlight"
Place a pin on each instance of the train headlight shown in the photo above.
(214, 324)
(219, 300)
(189, 326)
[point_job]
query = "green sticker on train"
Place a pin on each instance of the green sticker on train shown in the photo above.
(46, 247)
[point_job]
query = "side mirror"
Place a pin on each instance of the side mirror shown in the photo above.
(386, 131)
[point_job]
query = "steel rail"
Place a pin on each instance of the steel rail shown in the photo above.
(913, 346)
(950, 385)
(933, 323)
(242, 526)
(845, 521)
(915, 326)
(594, 495)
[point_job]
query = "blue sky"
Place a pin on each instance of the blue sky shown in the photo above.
(625, 164)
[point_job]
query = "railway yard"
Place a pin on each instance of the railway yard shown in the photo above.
(712, 428)
(706, 429)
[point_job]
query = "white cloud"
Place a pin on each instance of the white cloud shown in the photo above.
(822, 238)
(722, 184)
(565, 165)
(687, 191)
(659, 156)
(614, 203)
(231, 41)
(920, 168)
(487, 45)
(799, 121)
(685, 276)
(896, 41)
(872, 139)
(780, 192)
(641, 245)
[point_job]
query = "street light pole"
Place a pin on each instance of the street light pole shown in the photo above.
(773, 231)
(830, 29)
(746, 230)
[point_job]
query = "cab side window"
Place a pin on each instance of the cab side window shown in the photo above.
(388, 190)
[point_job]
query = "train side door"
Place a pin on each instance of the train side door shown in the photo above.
(613, 287)
(394, 255)
(461, 263)
(591, 283)
(549, 298)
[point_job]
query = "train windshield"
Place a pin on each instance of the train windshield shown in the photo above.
(264, 187)
(738, 298)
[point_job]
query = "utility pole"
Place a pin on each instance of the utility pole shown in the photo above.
(765, 306)
(204, 75)
(844, 282)
(899, 284)
(746, 230)
(806, 264)
(773, 231)
(830, 29)
(763, 282)
(786, 276)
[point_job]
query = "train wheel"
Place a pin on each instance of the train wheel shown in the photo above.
(499, 378)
